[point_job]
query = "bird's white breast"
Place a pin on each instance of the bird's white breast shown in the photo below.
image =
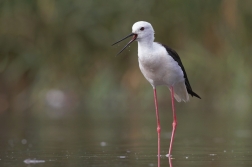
(157, 66)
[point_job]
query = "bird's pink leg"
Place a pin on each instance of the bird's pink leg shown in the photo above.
(158, 124)
(174, 124)
(170, 161)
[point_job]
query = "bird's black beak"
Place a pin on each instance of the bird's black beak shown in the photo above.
(132, 40)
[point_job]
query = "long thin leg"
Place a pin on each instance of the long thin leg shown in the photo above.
(158, 124)
(170, 161)
(174, 124)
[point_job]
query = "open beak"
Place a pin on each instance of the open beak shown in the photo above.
(132, 40)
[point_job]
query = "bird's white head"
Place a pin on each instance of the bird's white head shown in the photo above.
(144, 31)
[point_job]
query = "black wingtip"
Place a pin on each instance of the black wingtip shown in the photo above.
(197, 96)
(193, 94)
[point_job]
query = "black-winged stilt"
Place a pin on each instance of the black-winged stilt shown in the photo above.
(160, 65)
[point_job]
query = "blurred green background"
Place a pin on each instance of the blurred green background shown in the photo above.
(57, 63)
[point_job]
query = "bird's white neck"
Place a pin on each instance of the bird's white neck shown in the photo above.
(146, 43)
(147, 40)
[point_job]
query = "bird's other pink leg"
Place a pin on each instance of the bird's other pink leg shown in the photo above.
(158, 124)
(174, 124)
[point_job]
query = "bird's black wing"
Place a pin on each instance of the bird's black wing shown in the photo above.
(176, 57)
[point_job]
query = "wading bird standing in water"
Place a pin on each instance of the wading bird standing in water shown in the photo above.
(160, 65)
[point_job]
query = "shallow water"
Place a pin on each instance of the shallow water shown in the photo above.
(117, 141)
(109, 154)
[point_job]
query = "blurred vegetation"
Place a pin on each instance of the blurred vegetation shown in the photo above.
(57, 55)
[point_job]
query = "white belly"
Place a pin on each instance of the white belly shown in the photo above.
(160, 69)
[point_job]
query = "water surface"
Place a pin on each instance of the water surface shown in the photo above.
(121, 140)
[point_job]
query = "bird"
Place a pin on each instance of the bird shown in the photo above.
(160, 65)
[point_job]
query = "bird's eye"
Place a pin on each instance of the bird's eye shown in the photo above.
(142, 28)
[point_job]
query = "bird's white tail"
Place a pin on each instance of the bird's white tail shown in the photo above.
(180, 92)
